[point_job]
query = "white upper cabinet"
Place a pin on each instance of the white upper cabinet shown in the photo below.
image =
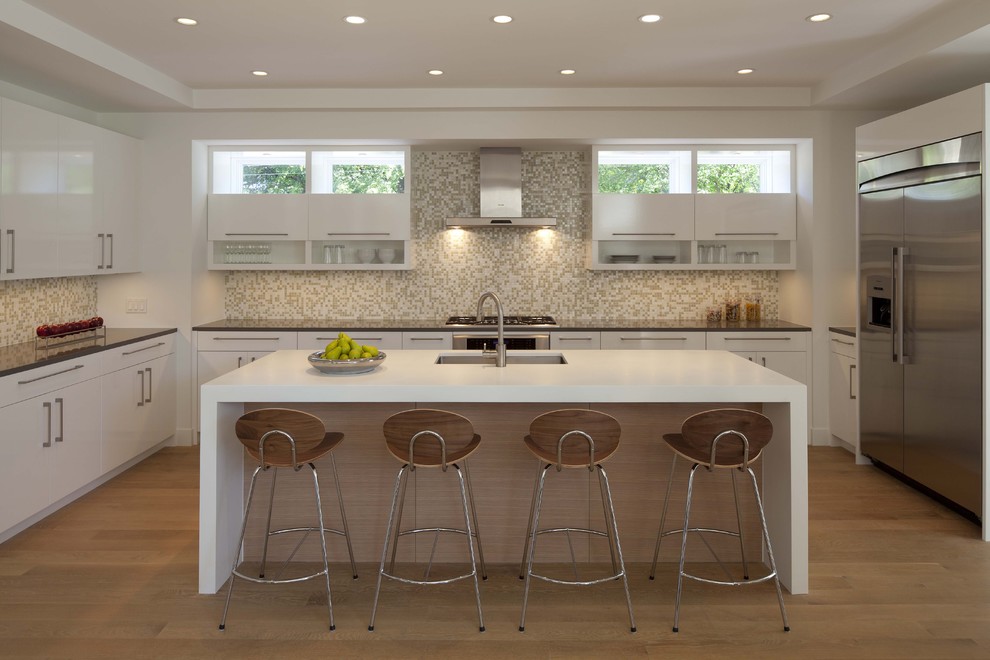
(68, 199)
(79, 204)
(349, 217)
(29, 192)
(118, 176)
(755, 216)
(251, 216)
(642, 217)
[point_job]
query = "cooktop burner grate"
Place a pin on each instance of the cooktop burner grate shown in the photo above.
(508, 320)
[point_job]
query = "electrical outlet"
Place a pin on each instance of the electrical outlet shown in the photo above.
(137, 306)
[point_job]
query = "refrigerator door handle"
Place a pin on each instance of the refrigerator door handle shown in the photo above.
(899, 354)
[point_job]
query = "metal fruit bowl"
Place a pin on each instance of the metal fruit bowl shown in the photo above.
(356, 366)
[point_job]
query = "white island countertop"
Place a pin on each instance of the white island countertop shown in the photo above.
(606, 376)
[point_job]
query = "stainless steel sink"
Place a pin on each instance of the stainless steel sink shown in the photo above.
(512, 358)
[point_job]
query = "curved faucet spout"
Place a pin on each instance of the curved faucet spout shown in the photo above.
(500, 347)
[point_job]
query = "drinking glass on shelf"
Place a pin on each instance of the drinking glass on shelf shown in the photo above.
(722, 254)
(702, 253)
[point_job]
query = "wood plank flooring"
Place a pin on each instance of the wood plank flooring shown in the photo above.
(114, 575)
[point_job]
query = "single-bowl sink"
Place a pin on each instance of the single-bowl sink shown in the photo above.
(511, 358)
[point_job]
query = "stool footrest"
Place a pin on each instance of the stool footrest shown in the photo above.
(288, 530)
(555, 530)
(731, 583)
(579, 583)
(251, 578)
(427, 582)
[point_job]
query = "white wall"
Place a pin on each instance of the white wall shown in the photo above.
(181, 292)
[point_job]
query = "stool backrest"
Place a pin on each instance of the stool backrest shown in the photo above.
(457, 433)
(701, 430)
(575, 426)
(306, 432)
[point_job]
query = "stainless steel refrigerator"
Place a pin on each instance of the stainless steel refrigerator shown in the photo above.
(920, 328)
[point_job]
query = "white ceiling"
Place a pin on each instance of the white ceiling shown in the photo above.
(130, 55)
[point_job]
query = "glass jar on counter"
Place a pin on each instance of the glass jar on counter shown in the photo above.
(753, 309)
(733, 310)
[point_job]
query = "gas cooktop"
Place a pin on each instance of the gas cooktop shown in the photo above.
(508, 320)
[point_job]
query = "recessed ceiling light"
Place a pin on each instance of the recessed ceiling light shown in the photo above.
(818, 18)
(502, 19)
(354, 20)
(435, 72)
(650, 18)
(743, 72)
(567, 72)
(186, 21)
(259, 73)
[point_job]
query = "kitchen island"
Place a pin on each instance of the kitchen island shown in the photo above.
(648, 391)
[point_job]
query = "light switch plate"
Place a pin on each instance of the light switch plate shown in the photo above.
(137, 306)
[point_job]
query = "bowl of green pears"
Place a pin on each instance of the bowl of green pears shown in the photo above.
(345, 356)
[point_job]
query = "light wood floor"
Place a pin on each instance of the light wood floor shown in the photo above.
(893, 575)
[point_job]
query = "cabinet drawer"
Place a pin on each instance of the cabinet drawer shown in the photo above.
(246, 341)
(35, 382)
(441, 340)
(654, 340)
(138, 352)
(758, 341)
(575, 340)
(842, 344)
(381, 339)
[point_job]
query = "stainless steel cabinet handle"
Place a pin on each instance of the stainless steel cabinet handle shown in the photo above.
(239, 358)
(257, 234)
(146, 348)
(747, 233)
(426, 339)
(643, 233)
(148, 400)
(899, 254)
(103, 249)
(367, 338)
(110, 264)
(359, 233)
(757, 339)
(61, 419)
(764, 362)
(48, 438)
(140, 374)
(851, 379)
(245, 339)
(574, 338)
(10, 268)
(64, 371)
(847, 343)
(653, 338)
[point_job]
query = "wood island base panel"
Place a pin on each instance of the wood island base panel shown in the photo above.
(649, 392)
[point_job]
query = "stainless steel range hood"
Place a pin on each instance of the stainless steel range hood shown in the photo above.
(501, 192)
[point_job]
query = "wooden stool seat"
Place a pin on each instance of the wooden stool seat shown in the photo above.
(694, 442)
(576, 424)
(459, 438)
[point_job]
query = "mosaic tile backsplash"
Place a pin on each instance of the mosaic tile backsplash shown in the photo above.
(532, 271)
(27, 304)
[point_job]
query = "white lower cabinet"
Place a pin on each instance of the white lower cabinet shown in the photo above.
(653, 340)
(54, 448)
(138, 409)
(424, 339)
(783, 352)
(381, 339)
(843, 389)
(569, 340)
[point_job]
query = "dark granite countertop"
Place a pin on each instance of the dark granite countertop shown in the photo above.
(849, 331)
(21, 357)
(410, 325)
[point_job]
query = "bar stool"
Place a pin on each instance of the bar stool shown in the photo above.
(573, 438)
(282, 438)
(726, 438)
(425, 438)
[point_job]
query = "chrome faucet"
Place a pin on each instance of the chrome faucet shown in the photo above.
(500, 347)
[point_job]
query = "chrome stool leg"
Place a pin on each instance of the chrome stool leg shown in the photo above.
(609, 517)
(240, 547)
(388, 535)
(343, 517)
(684, 536)
(742, 545)
(766, 539)
(323, 544)
(529, 530)
(474, 519)
(268, 525)
(470, 543)
(663, 517)
(398, 520)
(531, 541)
(613, 531)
